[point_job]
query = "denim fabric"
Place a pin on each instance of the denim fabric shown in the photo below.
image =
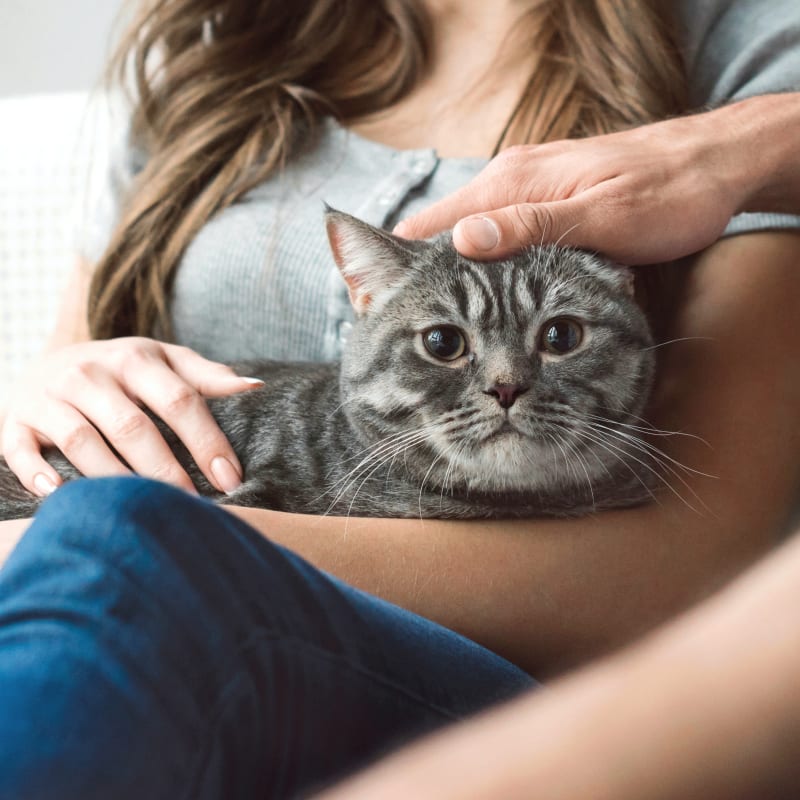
(154, 646)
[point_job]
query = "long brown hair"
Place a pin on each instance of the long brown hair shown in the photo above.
(226, 91)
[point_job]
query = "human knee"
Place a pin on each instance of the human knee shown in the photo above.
(105, 517)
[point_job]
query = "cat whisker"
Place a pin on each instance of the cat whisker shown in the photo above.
(425, 478)
(380, 461)
(648, 426)
(615, 453)
(448, 417)
(341, 405)
(451, 461)
(667, 468)
(566, 233)
(675, 341)
(381, 452)
(642, 443)
(559, 444)
(387, 450)
(453, 415)
(371, 448)
(652, 431)
(661, 459)
(597, 458)
(564, 445)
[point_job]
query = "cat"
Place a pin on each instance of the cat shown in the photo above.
(466, 390)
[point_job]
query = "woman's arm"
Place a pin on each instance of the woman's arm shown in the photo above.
(10, 533)
(549, 594)
(552, 593)
(71, 325)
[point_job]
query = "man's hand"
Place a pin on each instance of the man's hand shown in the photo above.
(645, 195)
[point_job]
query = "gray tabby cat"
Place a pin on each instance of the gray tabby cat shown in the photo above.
(467, 389)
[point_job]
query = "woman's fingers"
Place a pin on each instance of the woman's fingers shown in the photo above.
(71, 432)
(499, 232)
(522, 198)
(107, 407)
(113, 403)
(24, 458)
(180, 405)
(209, 378)
(91, 400)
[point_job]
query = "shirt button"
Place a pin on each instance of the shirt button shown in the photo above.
(343, 330)
(420, 167)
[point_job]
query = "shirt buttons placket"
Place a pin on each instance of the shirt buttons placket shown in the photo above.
(343, 329)
(423, 165)
(409, 170)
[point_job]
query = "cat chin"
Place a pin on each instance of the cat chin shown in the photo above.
(510, 463)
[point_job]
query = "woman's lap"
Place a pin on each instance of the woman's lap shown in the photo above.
(153, 645)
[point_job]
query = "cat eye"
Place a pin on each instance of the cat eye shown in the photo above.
(560, 336)
(444, 342)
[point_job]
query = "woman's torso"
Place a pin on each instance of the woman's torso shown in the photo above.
(259, 279)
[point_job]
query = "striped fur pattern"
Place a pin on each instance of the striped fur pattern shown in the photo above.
(506, 428)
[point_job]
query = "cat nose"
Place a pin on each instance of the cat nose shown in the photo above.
(506, 394)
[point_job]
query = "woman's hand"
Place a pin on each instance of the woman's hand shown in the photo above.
(645, 195)
(75, 396)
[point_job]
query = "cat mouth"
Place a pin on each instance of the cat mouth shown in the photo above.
(505, 429)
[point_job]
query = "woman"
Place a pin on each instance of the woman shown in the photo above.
(178, 651)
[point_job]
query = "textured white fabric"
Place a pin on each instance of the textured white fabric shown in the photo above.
(53, 152)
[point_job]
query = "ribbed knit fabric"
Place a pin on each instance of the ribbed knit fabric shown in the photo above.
(259, 280)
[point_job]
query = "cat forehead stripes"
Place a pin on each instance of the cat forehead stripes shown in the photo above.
(376, 265)
(513, 294)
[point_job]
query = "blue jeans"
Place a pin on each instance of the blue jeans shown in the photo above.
(154, 646)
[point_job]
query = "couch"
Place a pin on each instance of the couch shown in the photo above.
(54, 152)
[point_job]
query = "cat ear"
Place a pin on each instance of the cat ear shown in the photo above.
(373, 263)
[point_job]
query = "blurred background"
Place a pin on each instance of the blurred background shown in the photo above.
(53, 45)
(54, 151)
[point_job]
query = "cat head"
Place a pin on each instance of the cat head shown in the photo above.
(500, 376)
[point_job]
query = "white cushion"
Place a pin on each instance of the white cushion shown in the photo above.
(54, 152)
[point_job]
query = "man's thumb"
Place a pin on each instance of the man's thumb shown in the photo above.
(502, 233)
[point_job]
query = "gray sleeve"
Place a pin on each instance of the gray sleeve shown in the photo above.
(734, 49)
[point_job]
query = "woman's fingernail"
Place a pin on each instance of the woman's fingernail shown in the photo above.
(226, 475)
(254, 381)
(43, 484)
(400, 229)
(480, 232)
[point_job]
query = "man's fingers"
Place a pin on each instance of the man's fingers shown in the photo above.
(501, 233)
(476, 196)
(437, 218)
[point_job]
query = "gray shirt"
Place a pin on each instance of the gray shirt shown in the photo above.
(259, 280)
